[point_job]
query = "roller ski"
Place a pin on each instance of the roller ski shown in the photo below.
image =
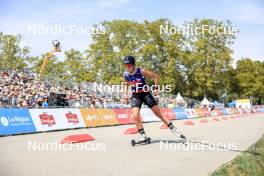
(142, 140)
(177, 132)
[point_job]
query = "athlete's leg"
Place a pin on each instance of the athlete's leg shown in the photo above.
(136, 106)
(152, 104)
(136, 112)
(157, 112)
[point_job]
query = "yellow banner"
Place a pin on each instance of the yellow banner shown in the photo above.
(91, 117)
(107, 116)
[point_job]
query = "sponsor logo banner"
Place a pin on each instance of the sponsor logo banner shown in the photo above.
(54, 119)
(191, 113)
(91, 117)
(216, 112)
(168, 113)
(234, 111)
(148, 116)
(107, 116)
(180, 113)
(124, 116)
(99, 117)
(225, 111)
(202, 112)
(15, 121)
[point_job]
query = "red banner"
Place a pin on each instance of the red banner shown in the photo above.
(168, 113)
(124, 116)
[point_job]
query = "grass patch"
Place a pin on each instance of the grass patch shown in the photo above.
(249, 163)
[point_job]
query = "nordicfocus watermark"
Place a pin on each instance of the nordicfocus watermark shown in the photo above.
(197, 146)
(58, 29)
(204, 29)
(138, 87)
(56, 146)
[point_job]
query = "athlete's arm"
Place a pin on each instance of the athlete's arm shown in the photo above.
(125, 86)
(154, 76)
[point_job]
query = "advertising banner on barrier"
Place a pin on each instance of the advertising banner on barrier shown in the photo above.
(234, 111)
(216, 112)
(15, 121)
(180, 113)
(123, 116)
(148, 116)
(225, 111)
(107, 117)
(168, 113)
(259, 108)
(202, 112)
(191, 113)
(91, 117)
(243, 104)
(130, 114)
(72, 117)
(55, 119)
(129, 111)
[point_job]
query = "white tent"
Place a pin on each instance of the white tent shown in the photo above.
(180, 102)
(179, 97)
(205, 102)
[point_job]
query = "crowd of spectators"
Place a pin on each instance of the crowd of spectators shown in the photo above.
(23, 89)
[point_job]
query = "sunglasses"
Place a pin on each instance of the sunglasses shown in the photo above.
(128, 65)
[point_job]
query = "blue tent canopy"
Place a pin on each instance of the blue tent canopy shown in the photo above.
(232, 104)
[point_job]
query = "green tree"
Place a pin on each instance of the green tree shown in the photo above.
(250, 79)
(75, 66)
(121, 37)
(12, 56)
(153, 50)
(54, 71)
(209, 59)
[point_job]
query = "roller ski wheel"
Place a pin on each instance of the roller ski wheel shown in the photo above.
(136, 142)
(185, 140)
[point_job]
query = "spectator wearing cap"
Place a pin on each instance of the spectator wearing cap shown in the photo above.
(45, 104)
(39, 102)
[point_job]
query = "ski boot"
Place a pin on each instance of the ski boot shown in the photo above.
(142, 140)
(177, 131)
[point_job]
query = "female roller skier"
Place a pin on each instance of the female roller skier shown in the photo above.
(135, 78)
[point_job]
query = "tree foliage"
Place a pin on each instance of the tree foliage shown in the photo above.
(197, 64)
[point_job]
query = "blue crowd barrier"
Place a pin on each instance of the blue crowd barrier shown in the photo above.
(180, 113)
(15, 121)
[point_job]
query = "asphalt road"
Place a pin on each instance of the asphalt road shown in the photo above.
(112, 154)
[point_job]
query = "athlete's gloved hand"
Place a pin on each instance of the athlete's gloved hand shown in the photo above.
(155, 91)
(125, 99)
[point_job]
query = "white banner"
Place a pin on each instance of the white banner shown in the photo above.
(54, 119)
(148, 116)
(191, 113)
